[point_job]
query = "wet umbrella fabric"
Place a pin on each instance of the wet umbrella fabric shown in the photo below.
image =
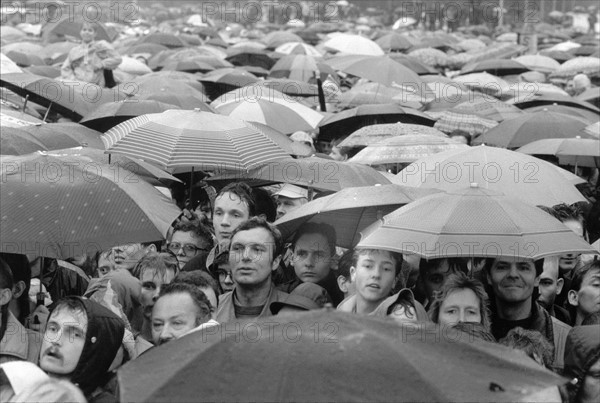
(472, 222)
(375, 133)
(220, 364)
(56, 136)
(570, 151)
(80, 207)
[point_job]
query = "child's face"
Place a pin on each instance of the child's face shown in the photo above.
(374, 275)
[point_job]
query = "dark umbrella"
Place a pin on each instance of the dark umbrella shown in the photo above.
(349, 121)
(314, 356)
(496, 67)
(250, 56)
(556, 99)
(56, 136)
(68, 27)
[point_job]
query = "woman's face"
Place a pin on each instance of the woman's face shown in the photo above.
(87, 33)
(461, 305)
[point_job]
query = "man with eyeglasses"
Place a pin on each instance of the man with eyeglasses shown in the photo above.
(190, 240)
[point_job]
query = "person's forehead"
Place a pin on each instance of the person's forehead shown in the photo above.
(67, 316)
(591, 275)
(152, 274)
(442, 267)
(230, 201)
(186, 237)
(254, 235)
(312, 241)
(513, 260)
(377, 256)
(178, 303)
(461, 295)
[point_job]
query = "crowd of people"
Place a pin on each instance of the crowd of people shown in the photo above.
(67, 326)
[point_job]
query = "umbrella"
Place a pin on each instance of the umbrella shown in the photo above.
(348, 121)
(375, 93)
(190, 65)
(450, 121)
(351, 210)
(585, 65)
(278, 38)
(44, 71)
(298, 48)
(384, 70)
(29, 48)
(298, 364)
(291, 87)
(312, 172)
(71, 99)
(394, 42)
(181, 141)
(373, 134)
(281, 114)
(196, 100)
(145, 49)
(404, 149)
(558, 55)
(161, 38)
(548, 100)
(301, 68)
(517, 132)
(413, 64)
(78, 208)
(152, 83)
(591, 95)
(24, 59)
(353, 45)
(543, 64)
(593, 130)
(570, 151)
(290, 146)
(530, 179)
(110, 114)
(231, 76)
(472, 222)
(497, 67)
(531, 92)
(133, 66)
(15, 141)
(485, 83)
(249, 56)
(69, 27)
(56, 136)
(430, 56)
(489, 109)
(566, 110)
(8, 66)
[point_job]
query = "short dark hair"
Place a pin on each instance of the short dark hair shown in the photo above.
(196, 227)
(396, 256)
(265, 204)
(532, 343)
(72, 303)
(455, 265)
(539, 265)
(244, 192)
(200, 299)
(317, 228)
(159, 261)
(6, 276)
(345, 263)
(198, 278)
(259, 222)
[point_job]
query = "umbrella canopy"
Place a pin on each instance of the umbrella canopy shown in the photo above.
(543, 64)
(179, 141)
(497, 67)
(162, 38)
(230, 76)
(554, 99)
(413, 64)
(298, 48)
(489, 109)
(281, 114)
(585, 65)
(24, 59)
(73, 99)
(530, 179)
(591, 95)
(484, 82)
(110, 114)
(517, 132)
(290, 146)
(312, 172)
(570, 151)
(56, 136)
(250, 56)
(191, 65)
(278, 38)
(349, 121)
(450, 121)
(79, 208)
(301, 68)
(68, 27)
(209, 366)
(373, 134)
(430, 56)
(394, 42)
(15, 141)
(8, 66)
(593, 130)
(182, 100)
(29, 48)
(162, 83)
(351, 210)
(403, 149)
(44, 71)
(353, 45)
(472, 222)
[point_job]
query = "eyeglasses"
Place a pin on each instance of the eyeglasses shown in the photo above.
(223, 273)
(188, 248)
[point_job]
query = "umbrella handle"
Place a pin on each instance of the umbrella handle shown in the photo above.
(47, 112)
(25, 104)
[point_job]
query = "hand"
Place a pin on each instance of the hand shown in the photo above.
(38, 318)
(188, 216)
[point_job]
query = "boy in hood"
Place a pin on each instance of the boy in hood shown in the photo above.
(81, 341)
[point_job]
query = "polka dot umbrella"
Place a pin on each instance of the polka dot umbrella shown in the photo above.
(63, 206)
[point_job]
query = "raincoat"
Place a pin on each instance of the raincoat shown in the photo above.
(226, 311)
(582, 350)
(19, 343)
(86, 62)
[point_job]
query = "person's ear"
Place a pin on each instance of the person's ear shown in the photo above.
(342, 283)
(151, 248)
(18, 289)
(536, 282)
(573, 298)
(352, 274)
(5, 296)
(276, 262)
(559, 285)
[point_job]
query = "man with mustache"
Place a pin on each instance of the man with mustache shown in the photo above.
(81, 340)
(512, 281)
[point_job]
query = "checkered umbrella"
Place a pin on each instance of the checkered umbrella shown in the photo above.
(449, 121)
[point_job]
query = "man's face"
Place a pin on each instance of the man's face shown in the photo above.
(152, 281)
(569, 261)
(105, 264)
(435, 278)
(513, 279)
(251, 257)
(550, 285)
(588, 296)
(225, 278)
(126, 256)
(374, 275)
(230, 212)
(173, 315)
(287, 204)
(63, 342)
(312, 258)
(186, 245)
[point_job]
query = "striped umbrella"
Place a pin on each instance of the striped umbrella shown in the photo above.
(404, 149)
(472, 124)
(183, 141)
(279, 113)
(376, 133)
(484, 82)
(488, 108)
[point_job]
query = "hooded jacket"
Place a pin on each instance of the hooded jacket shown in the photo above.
(102, 341)
(582, 350)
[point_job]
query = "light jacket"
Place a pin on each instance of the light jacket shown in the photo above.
(226, 311)
(86, 62)
(19, 343)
